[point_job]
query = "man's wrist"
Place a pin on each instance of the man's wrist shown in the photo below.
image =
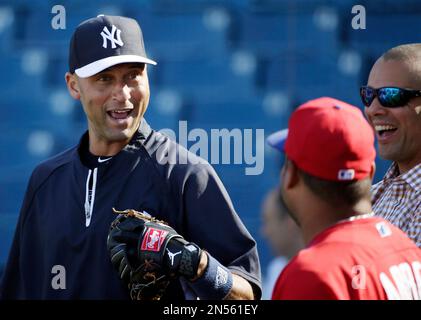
(184, 258)
(215, 280)
(202, 265)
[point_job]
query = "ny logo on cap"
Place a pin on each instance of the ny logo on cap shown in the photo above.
(106, 34)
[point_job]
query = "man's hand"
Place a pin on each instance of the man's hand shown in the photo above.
(147, 253)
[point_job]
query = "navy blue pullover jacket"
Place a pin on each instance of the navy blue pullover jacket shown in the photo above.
(67, 212)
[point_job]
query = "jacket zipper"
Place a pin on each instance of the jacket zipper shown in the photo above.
(91, 181)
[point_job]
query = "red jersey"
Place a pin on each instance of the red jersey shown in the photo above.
(362, 259)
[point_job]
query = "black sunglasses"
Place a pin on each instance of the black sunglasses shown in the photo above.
(389, 97)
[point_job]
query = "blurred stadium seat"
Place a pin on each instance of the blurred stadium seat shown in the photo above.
(184, 36)
(386, 30)
(272, 34)
(208, 79)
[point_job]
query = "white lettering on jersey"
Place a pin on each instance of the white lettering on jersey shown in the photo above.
(406, 284)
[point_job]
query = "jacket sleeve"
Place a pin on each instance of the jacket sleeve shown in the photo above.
(214, 225)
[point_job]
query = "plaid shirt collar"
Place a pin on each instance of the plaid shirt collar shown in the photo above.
(412, 177)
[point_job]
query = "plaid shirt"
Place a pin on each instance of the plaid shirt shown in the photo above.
(397, 198)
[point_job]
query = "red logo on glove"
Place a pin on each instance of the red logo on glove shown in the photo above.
(153, 239)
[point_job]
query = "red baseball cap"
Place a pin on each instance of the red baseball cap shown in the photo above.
(329, 139)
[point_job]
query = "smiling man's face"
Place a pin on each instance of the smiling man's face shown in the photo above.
(114, 101)
(398, 130)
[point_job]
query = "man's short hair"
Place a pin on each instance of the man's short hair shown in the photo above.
(403, 52)
(410, 54)
(342, 193)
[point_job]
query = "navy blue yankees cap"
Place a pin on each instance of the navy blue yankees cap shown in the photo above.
(102, 42)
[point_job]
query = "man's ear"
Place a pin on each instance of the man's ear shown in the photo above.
(373, 170)
(72, 85)
(290, 174)
(415, 104)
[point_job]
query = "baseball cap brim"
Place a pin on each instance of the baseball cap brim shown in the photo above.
(277, 140)
(102, 64)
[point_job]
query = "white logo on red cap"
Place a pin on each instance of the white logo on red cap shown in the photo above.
(106, 34)
(346, 174)
(153, 239)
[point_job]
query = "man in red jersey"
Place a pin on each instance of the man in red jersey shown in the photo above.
(326, 180)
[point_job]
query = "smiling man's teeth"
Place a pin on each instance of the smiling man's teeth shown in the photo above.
(120, 111)
(119, 114)
(384, 128)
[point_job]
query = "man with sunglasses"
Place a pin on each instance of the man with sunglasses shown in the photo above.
(392, 100)
(349, 253)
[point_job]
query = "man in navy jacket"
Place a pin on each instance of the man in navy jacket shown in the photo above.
(59, 249)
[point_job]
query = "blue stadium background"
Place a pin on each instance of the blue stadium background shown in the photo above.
(221, 64)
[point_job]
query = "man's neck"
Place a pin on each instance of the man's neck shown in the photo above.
(99, 146)
(405, 166)
(106, 149)
(328, 216)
